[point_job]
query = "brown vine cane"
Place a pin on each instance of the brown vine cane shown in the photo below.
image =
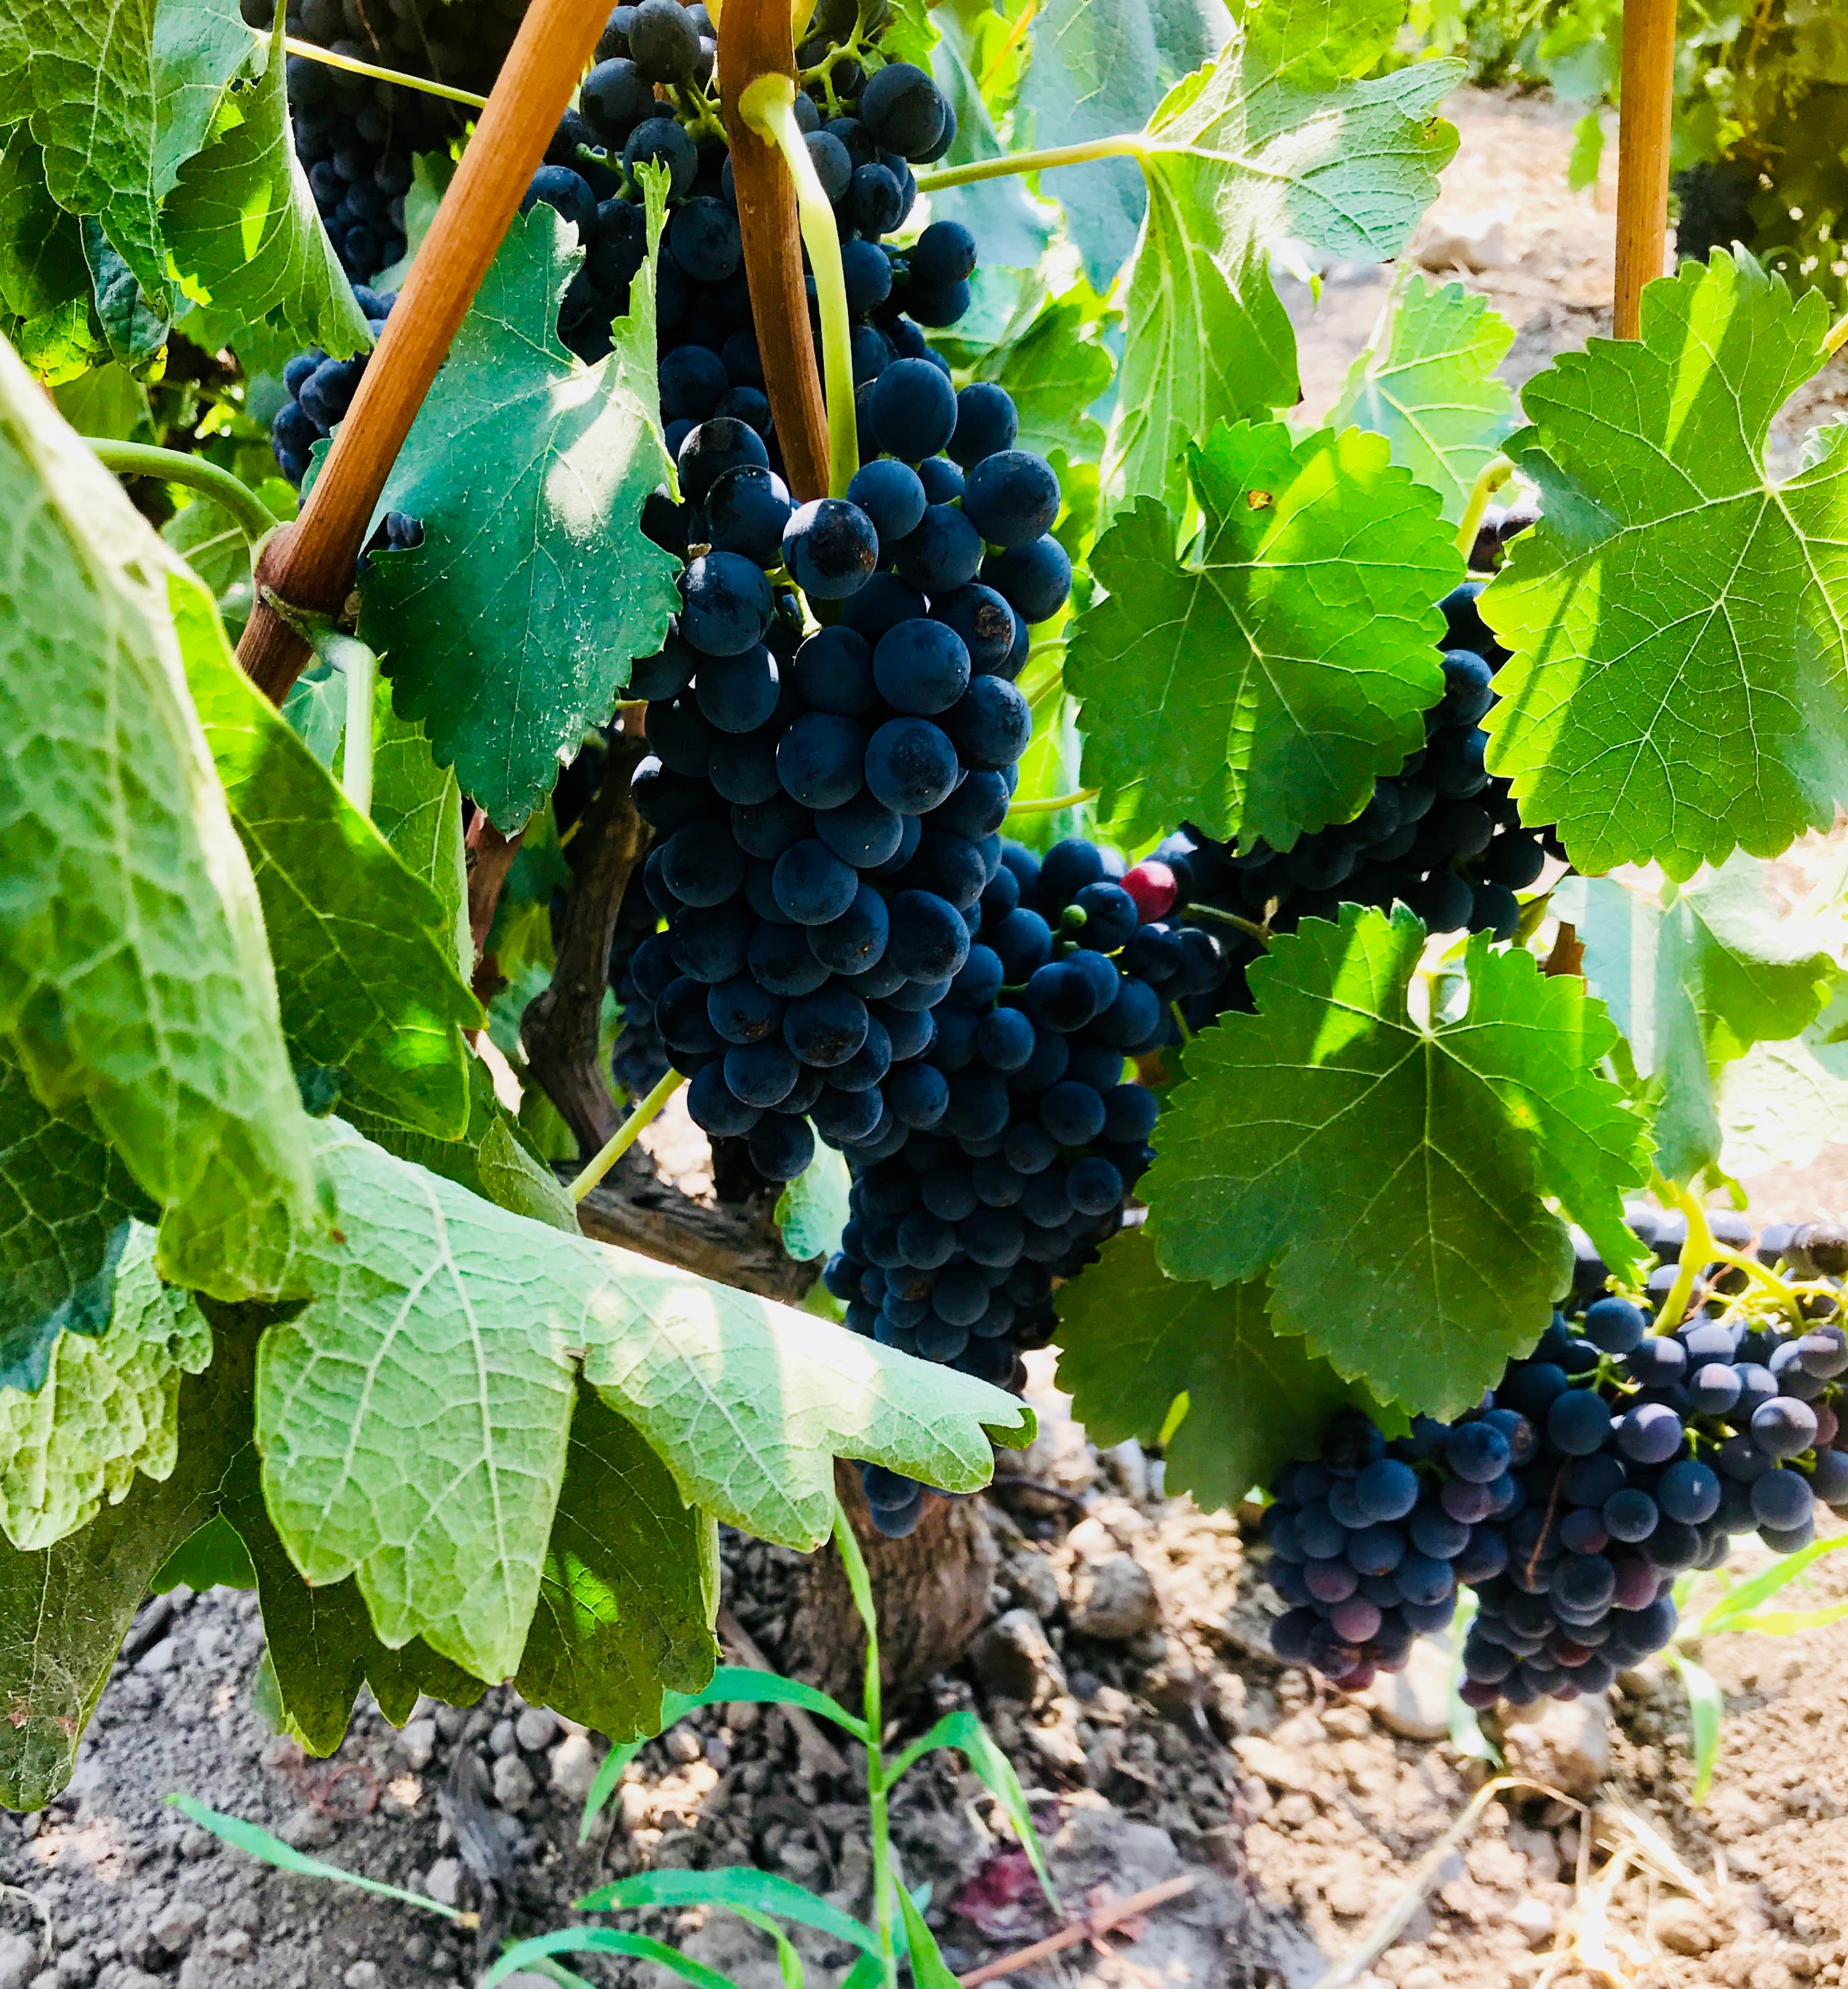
(307, 567)
(1645, 116)
(755, 38)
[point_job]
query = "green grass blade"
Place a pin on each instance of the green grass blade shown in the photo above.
(731, 1885)
(929, 1970)
(1749, 1595)
(847, 1544)
(674, 1706)
(604, 1940)
(1706, 1711)
(965, 1732)
(257, 1842)
(790, 1962)
(1787, 1623)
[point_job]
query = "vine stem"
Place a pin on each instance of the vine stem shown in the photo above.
(1645, 118)
(1125, 145)
(1250, 927)
(1495, 472)
(310, 563)
(624, 1136)
(756, 39)
(195, 473)
(1052, 804)
(768, 105)
(360, 667)
(1698, 1248)
(313, 51)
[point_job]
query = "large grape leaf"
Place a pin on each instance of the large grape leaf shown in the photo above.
(1680, 621)
(42, 263)
(108, 1407)
(64, 1610)
(1284, 138)
(512, 626)
(1258, 685)
(417, 808)
(1426, 381)
(1781, 1103)
(119, 98)
(1131, 1342)
(1095, 71)
(366, 952)
(812, 1211)
(629, 1587)
(1013, 232)
(134, 974)
(1693, 977)
(66, 1207)
(413, 1417)
(243, 236)
(1395, 1178)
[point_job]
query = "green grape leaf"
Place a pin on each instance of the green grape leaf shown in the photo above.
(1257, 686)
(42, 263)
(1054, 371)
(366, 951)
(1680, 684)
(417, 808)
(812, 1211)
(1427, 382)
(1131, 1342)
(214, 1557)
(494, 1159)
(108, 1407)
(627, 1589)
(243, 234)
(321, 1644)
(1694, 978)
(448, 1331)
(65, 1609)
(134, 974)
(512, 626)
(135, 321)
(1285, 138)
(1013, 231)
(120, 98)
(1095, 71)
(1394, 1177)
(67, 1207)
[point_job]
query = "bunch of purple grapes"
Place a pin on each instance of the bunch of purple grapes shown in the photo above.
(1624, 1452)
(1018, 1135)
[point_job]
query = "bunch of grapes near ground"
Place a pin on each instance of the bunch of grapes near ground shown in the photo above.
(1629, 1448)
(649, 98)
(1442, 836)
(357, 137)
(1018, 1136)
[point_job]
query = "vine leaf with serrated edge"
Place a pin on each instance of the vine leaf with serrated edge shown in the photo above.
(445, 1329)
(242, 231)
(1679, 687)
(1053, 372)
(365, 952)
(1013, 232)
(134, 978)
(108, 1407)
(1394, 1179)
(1695, 977)
(65, 1609)
(1131, 1341)
(67, 1206)
(812, 1211)
(42, 263)
(1285, 136)
(1259, 684)
(1426, 381)
(512, 626)
(629, 1588)
(1094, 71)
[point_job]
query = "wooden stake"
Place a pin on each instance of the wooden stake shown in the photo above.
(309, 565)
(1645, 117)
(754, 40)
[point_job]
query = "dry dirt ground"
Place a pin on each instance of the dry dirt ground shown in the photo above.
(1124, 1668)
